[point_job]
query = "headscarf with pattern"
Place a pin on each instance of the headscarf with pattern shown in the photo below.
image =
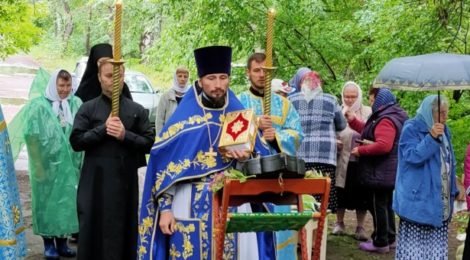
(383, 98)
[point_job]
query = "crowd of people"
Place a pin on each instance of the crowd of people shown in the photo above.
(83, 164)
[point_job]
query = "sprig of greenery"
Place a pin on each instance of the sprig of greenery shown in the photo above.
(219, 180)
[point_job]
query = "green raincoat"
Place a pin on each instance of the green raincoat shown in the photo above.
(53, 166)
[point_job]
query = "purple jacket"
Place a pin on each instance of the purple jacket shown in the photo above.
(380, 171)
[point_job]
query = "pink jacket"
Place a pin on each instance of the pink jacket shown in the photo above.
(466, 171)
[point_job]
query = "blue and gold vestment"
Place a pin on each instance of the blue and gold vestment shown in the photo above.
(179, 156)
(12, 235)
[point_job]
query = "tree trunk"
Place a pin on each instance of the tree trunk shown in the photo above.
(456, 95)
(68, 30)
(88, 30)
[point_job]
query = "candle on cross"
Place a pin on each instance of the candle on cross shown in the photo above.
(268, 68)
(117, 62)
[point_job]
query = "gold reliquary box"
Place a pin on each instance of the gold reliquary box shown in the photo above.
(239, 131)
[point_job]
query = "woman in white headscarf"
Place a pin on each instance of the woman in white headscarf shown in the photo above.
(170, 99)
(53, 166)
(350, 195)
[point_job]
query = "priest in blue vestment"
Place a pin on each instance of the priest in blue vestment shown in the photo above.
(176, 215)
(281, 129)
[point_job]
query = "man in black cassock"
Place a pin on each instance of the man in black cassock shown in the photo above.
(114, 148)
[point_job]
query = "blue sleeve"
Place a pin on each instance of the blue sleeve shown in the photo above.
(290, 136)
(415, 149)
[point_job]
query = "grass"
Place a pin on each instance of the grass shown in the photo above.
(346, 247)
(51, 60)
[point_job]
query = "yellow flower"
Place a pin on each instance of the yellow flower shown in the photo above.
(211, 162)
(186, 163)
(147, 222)
(142, 250)
(222, 118)
(187, 247)
(165, 135)
(16, 215)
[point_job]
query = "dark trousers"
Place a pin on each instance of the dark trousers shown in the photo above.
(466, 250)
(383, 216)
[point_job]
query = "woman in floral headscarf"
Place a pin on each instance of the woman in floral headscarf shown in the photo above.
(350, 194)
(321, 117)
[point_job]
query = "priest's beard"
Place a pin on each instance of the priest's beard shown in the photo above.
(219, 102)
(216, 102)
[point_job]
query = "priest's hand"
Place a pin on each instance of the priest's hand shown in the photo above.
(269, 134)
(167, 222)
(238, 155)
(264, 122)
(115, 128)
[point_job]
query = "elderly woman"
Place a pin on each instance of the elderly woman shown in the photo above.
(170, 99)
(53, 165)
(321, 117)
(350, 194)
(378, 156)
(426, 183)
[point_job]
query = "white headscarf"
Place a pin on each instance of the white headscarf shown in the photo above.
(176, 86)
(356, 106)
(52, 94)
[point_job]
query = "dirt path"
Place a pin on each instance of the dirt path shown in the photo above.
(34, 243)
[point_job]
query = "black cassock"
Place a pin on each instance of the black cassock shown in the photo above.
(108, 187)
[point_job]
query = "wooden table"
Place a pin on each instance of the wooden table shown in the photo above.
(285, 192)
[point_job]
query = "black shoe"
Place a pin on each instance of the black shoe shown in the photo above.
(63, 249)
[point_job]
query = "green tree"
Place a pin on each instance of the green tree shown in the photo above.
(17, 29)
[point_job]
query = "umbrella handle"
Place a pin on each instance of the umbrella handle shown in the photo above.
(438, 106)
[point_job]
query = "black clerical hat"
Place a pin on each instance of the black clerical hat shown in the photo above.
(213, 59)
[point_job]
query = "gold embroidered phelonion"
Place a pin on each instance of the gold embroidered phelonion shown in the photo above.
(117, 60)
(269, 62)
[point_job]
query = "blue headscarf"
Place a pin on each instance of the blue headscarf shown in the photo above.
(384, 97)
(424, 111)
(295, 81)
